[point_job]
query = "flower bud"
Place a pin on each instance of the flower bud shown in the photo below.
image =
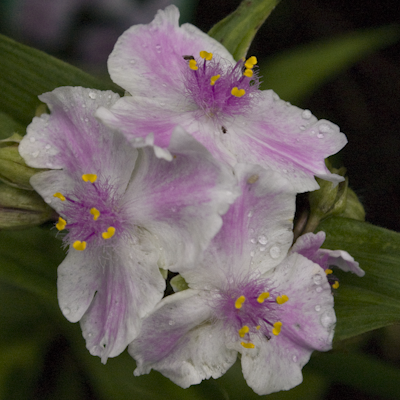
(21, 209)
(13, 169)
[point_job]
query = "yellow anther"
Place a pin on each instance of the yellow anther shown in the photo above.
(89, 177)
(95, 212)
(253, 179)
(282, 299)
(262, 297)
(204, 54)
(247, 345)
(258, 327)
(214, 79)
(59, 195)
(242, 331)
(277, 328)
(238, 92)
(335, 285)
(250, 62)
(109, 234)
(60, 225)
(193, 65)
(78, 245)
(248, 73)
(239, 302)
(328, 271)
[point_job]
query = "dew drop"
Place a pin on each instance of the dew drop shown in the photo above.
(320, 135)
(250, 214)
(47, 200)
(294, 358)
(49, 165)
(90, 334)
(318, 289)
(158, 47)
(47, 147)
(35, 154)
(252, 254)
(254, 241)
(170, 322)
(302, 127)
(262, 248)
(92, 95)
(132, 61)
(230, 280)
(86, 120)
(262, 239)
(317, 279)
(84, 105)
(324, 128)
(275, 252)
(66, 311)
(327, 319)
(306, 114)
(32, 140)
(317, 308)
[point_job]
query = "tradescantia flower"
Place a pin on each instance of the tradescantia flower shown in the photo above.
(247, 296)
(178, 75)
(127, 213)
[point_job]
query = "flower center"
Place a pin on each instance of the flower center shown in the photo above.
(89, 213)
(249, 309)
(219, 88)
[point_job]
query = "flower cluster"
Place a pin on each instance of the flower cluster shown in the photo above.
(195, 170)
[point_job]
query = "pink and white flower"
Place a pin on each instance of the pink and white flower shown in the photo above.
(127, 212)
(178, 75)
(248, 296)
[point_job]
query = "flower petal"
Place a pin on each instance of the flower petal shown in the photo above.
(309, 246)
(286, 139)
(180, 202)
(129, 285)
(177, 341)
(148, 59)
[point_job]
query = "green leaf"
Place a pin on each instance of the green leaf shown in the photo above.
(29, 261)
(8, 126)
(26, 73)
(237, 30)
(373, 301)
(360, 371)
(296, 73)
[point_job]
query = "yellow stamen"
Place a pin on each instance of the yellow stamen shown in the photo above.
(242, 331)
(214, 79)
(262, 297)
(258, 327)
(277, 328)
(239, 302)
(60, 225)
(238, 92)
(253, 179)
(335, 285)
(206, 55)
(109, 234)
(250, 62)
(247, 345)
(95, 212)
(59, 195)
(248, 73)
(89, 177)
(193, 65)
(78, 245)
(328, 271)
(282, 299)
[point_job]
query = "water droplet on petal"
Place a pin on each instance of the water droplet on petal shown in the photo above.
(66, 311)
(35, 154)
(252, 254)
(132, 61)
(262, 239)
(84, 105)
(86, 120)
(171, 322)
(47, 200)
(294, 358)
(32, 139)
(306, 114)
(317, 278)
(327, 319)
(47, 147)
(254, 241)
(92, 95)
(320, 135)
(317, 308)
(262, 248)
(318, 289)
(250, 214)
(275, 252)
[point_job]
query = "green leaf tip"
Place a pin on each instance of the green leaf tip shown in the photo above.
(237, 30)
